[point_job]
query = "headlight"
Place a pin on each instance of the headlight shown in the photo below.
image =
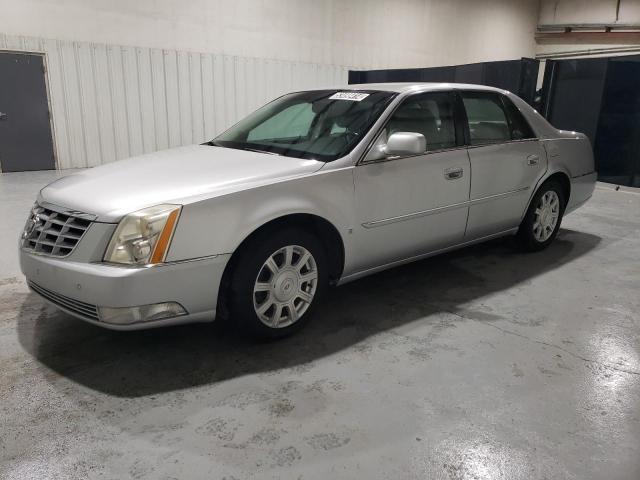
(143, 237)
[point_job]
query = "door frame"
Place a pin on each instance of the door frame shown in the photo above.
(45, 65)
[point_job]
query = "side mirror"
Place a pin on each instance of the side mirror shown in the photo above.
(405, 143)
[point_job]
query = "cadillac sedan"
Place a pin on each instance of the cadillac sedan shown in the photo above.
(316, 188)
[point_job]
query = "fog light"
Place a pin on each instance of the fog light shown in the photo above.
(142, 313)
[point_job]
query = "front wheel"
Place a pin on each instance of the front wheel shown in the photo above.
(276, 283)
(542, 220)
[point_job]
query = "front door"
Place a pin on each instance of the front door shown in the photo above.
(506, 163)
(25, 129)
(412, 205)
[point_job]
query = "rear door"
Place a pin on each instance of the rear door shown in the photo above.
(507, 160)
(25, 129)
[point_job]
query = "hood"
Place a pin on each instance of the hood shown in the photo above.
(179, 175)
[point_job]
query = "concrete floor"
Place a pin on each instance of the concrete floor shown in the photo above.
(483, 363)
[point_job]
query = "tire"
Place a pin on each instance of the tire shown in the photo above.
(538, 229)
(298, 257)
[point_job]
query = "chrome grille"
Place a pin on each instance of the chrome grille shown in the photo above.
(76, 306)
(52, 233)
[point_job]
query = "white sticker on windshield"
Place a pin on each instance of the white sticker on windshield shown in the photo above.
(353, 96)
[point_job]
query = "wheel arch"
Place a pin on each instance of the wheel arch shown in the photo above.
(315, 224)
(561, 177)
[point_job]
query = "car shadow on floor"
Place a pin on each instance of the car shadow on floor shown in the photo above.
(133, 364)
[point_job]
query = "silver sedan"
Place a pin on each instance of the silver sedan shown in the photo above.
(316, 188)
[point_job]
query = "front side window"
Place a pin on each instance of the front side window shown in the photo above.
(430, 114)
(322, 125)
(487, 118)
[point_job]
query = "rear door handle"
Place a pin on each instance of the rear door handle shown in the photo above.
(533, 159)
(453, 173)
(3, 116)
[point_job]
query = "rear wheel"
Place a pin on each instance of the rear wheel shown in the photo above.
(276, 283)
(542, 220)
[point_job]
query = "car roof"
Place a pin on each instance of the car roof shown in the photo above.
(402, 87)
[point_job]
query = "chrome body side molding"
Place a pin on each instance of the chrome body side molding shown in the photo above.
(432, 211)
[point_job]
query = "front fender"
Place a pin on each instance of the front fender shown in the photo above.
(219, 225)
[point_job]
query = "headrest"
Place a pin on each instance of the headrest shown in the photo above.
(355, 114)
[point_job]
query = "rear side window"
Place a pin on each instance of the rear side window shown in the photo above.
(431, 114)
(487, 118)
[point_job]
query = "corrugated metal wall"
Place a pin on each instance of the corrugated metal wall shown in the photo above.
(111, 102)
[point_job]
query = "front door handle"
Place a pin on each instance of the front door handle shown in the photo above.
(533, 159)
(3, 116)
(453, 173)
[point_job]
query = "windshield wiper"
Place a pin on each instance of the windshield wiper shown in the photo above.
(290, 141)
(257, 150)
(239, 147)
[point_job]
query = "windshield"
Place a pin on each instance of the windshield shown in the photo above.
(322, 125)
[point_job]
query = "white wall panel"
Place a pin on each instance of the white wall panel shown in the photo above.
(73, 122)
(57, 99)
(172, 98)
(110, 102)
(629, 11)
(132, 99)
(208, 97)
(89, 105)
(147, 107)
(195, 89)
(104, 105)
(159, 99)
(118, 105)
(229, 90)
(220, 114)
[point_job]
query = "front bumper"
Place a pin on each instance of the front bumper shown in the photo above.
(75, 287)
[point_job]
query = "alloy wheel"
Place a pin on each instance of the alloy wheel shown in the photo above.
(285, 286)
(546, 216)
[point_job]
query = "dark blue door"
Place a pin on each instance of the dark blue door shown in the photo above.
(25, 129)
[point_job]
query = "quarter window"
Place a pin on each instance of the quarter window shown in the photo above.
(430, 114)
(520, 129)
